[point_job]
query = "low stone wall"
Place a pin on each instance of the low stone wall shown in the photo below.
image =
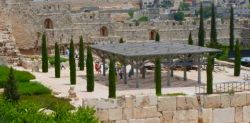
(216, 108)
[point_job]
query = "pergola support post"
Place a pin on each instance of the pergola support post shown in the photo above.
(103, 67)
(172, 72)
(143, 70)
(168, 77)
(125, 74)
(199, 70)
(185, 74)
(137, 75)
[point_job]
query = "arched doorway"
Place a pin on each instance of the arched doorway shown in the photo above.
(48, 23)
(152, 35)
(104, 31)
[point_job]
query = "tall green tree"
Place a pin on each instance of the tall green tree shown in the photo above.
(213, 34)
(72, 63)
(45, 63)
(210, 74)
(112, 79)
(90, 71)
(201, 35)
(157, 71)
(57, 61)
(10, 88)
(190, 40)
(81, 54)
(237, 60)
(231, 43)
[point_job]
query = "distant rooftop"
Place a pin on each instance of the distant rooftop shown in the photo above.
(151, 49)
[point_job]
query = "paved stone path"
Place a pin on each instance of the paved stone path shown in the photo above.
(62, 85)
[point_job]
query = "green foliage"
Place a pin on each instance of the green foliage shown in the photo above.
(224, 54)
(213, 34)
(184, 6)
(52, 60)
(231, 43)
(10, 88)
(131, 13)
(158, 76)
(45, 64)
(207, 12)
(121, 40)
(209, 75)
(179, 16)
(81, 54)
(112, 79)
(175, 94)
(237, 60)
(72, 63)
(157, 37)
(57, 61)
(20, 76)
(157, 70)
(143, 19)
(90, 71)
(201, 33)
(190, 40)
(32, 88)
(27, 112)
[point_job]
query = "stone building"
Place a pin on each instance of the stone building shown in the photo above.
(61, 20)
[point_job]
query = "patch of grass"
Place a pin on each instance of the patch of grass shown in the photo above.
(143, 19)
(48, 101)
(20, 76)
(52, 60)
(32, 88)
(175, 94)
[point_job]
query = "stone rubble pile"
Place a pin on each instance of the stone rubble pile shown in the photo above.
(217, 108)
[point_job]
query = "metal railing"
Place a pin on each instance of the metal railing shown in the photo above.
(225, 87)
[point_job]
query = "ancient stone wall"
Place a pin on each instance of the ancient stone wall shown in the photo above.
(216, 108)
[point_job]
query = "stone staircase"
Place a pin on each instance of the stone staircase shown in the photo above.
(8, 50)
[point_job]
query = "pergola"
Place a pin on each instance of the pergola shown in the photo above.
(137, 53)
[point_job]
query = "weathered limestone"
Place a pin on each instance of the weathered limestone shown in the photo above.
(238, 99)
(186, 116)
(246, 113)
(186, 102)
(115, 114)
(225, 115)
(225, 100)
(167, 104)
(214, 108)
(211, 101)
(207, 115)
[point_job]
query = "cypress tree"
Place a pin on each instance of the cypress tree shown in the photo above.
(57, 61)
(213, 34)
(45, 64)
(81, 54)
(90, 71)
(201, 34)
(231, 43)
(10, 88)
(190, 40)
(157, 71)
(237, 59)
(72, 63)
(210, 75)
(112, 79)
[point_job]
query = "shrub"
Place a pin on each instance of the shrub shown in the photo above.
(10, 88)
(90, 71)
(81, 54)
(237, 60)
(52, 60)
(143, 19)
(112, 79)
(45, 65)
(33, 88)
(72, 63)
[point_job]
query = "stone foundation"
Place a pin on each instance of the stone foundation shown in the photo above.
(216, 108)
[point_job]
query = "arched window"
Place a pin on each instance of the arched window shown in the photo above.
(152, 35)
(48, 24)
(104, 31)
